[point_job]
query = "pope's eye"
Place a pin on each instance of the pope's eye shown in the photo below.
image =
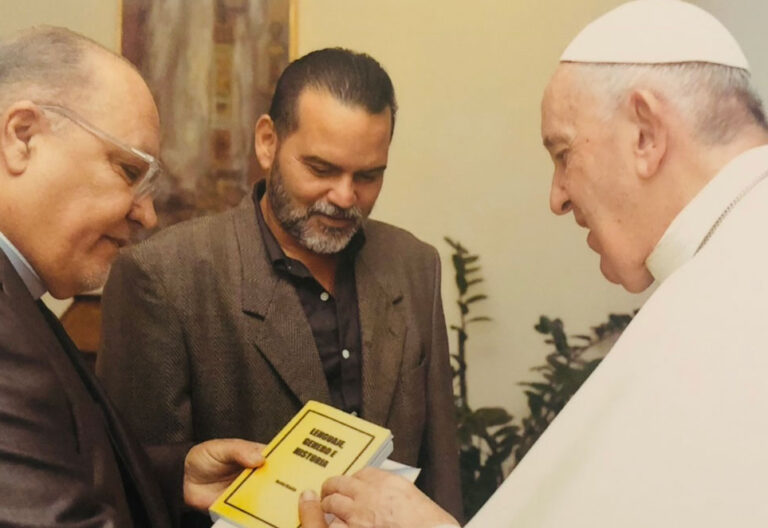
(562, 156)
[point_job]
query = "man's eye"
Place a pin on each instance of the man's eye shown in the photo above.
(321, 171)
(132, 174)
(368, 177)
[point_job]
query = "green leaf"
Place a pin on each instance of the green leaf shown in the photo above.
(542, 388)
(461, 283)
(476, 298)
(506, 432)
(535, 402)
(492, 416)
(463, 307)
(543, 326)
(478, 318)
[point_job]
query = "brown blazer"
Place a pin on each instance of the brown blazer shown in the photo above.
(202, 339)
(65, 457)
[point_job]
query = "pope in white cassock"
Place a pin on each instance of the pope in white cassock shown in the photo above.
(660, 148)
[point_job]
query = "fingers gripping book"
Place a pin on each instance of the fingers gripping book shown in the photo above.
(318, 443)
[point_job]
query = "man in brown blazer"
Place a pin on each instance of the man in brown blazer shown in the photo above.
(78, 145)
(234, 321)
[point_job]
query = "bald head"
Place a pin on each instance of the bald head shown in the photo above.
(73, 115)
(55, 65)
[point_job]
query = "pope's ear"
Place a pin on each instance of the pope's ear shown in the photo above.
(21, 122)
(265, 141)
(650, 141)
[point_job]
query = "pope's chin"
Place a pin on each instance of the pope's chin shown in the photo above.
(634, 280)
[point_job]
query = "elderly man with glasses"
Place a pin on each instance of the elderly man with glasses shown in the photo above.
(78, 151)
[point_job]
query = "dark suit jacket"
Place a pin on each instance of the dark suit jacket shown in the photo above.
(65, 457)
(202, 339)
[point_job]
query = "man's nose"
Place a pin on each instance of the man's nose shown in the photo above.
(559, 201)
(343, 193)
(143, 212)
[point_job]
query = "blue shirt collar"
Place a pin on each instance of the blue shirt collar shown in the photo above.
(28, 276)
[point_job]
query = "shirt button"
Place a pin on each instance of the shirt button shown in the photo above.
(353, 413)
(345, 353)
(324, 296)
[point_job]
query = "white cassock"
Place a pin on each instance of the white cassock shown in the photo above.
(672, 429)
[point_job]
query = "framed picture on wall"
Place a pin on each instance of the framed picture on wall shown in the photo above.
(212, 67)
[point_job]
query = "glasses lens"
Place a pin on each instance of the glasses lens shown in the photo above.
(147, 185)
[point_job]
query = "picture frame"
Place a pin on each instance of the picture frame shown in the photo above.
(211, 66)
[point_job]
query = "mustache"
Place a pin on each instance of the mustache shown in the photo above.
(328, 209)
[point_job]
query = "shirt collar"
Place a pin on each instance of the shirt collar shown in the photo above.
(23, 268)
(685, 234)
(276, 255)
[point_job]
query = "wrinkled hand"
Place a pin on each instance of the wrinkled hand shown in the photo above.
(212, 466)
(373, 498)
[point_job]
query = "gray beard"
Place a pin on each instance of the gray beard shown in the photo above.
(295, 220)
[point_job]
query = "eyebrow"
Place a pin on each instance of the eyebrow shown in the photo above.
(320, 161)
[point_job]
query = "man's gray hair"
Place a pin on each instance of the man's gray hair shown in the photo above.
(45, 64)
(718, 101)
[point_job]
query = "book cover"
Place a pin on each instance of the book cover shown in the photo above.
(319, 442)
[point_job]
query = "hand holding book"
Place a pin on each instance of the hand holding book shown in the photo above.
(210, 466)
(318, 443)
(375, 499)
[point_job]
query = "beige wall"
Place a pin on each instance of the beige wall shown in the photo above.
(467, 162)
(97, 19)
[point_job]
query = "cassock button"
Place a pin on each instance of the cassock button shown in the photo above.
(324, 296)
(345, 353)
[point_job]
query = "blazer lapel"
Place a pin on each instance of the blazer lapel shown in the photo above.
(130, 456)
(383, 335)
(276, 325)
(133, 462)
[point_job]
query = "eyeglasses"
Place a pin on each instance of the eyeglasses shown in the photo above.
(142, 171)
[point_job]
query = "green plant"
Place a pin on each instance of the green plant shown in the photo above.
(566, 368)
(488, 437)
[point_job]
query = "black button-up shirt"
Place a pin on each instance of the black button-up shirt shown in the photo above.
(334, 319)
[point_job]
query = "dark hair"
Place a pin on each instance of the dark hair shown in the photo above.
(350, 77)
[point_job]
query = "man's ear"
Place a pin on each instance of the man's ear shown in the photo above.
(21, 122)
(265, 141)
(650, 141)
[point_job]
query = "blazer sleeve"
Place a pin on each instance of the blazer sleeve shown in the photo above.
(439, 452)
(143, 367)
(143, 359)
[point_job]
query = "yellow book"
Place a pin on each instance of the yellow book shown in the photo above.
(319, 442)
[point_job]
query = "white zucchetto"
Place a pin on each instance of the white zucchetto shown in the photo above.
(656, 32)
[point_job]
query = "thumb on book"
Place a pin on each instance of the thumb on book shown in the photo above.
(311, 512)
